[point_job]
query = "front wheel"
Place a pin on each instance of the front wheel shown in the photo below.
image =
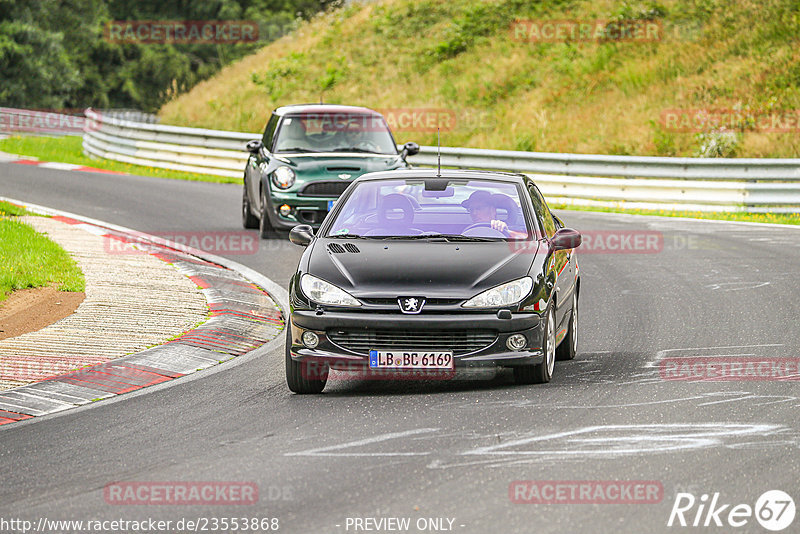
(569, 347)
(543, 372)
(300, 376)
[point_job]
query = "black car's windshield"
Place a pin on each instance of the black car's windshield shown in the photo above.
(335, 132)
(448, 210)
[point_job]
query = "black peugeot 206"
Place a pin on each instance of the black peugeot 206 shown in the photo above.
(425, 272)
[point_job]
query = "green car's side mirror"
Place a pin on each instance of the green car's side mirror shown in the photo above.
(254, 146)
(409, 149)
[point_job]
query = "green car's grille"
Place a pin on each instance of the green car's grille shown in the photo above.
(324, 189)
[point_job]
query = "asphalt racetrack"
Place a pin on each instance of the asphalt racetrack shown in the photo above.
(455, 450)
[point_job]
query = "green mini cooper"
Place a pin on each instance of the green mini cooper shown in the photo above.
(307, 157)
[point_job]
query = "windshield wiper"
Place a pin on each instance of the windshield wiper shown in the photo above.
(346, 236)
(445, 237)
(296, 149)
(459, 237)
(353, 149)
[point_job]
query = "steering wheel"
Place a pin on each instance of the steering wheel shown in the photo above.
(503, 233)
(368, 145)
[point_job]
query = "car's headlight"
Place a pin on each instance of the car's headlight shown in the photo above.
(322, 292)
(283, 177)
(503, 295)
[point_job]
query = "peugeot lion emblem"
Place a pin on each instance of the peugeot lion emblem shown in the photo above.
(344, 176)
(411, 304)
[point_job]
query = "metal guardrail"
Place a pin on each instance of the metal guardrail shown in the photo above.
(766, 185)
(130, 115)
(196, 150)
(627, 166)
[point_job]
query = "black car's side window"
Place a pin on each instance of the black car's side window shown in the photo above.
(269, 132)
(542, 211)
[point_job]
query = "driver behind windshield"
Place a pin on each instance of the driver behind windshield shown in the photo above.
(482, 210)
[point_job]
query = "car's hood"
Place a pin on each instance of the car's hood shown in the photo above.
(432, 269)
(340, 165)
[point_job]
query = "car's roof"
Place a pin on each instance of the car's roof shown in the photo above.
(430, 173)
(323, 108)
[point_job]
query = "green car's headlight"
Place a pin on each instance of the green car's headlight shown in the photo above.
(322, 292)
(283, 177)
(502, 295)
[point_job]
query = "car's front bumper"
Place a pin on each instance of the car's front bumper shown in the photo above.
(304, 210)
(494, 354)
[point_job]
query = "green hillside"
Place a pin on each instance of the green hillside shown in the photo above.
(461, 61)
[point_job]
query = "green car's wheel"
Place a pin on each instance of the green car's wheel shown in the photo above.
(249, 220)
(265, 226)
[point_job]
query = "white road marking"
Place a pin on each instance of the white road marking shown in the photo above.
(660, 355)
(624, 440)
(326, 451)
(632, 439)
(60, 166)
(743, 285)
(92, 229)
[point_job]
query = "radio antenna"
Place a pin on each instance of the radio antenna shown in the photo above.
(438, 153)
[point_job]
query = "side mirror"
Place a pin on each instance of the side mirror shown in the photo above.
(565, 239)
(409, 149)
(302, 234)
(254, 146)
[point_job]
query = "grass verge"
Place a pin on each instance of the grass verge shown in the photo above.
(10, 210)
(29, 259)
(773, 218)
(68, 149)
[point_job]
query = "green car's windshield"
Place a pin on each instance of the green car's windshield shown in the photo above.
(334, 132)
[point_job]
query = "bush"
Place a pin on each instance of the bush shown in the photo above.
(720, 143)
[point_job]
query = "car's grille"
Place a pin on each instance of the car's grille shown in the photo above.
(324, 189)
(393, 302)
(459, 341)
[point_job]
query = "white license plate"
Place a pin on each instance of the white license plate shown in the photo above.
(396, 359)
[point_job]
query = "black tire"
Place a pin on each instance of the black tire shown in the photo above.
(543, 372)
(265, 229)
(249, 221)
(297, 373)
(569, 346)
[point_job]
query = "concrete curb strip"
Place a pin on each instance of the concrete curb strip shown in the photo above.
(245, 314)
(133, 301)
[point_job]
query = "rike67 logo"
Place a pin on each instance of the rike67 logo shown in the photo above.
(774, 510)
